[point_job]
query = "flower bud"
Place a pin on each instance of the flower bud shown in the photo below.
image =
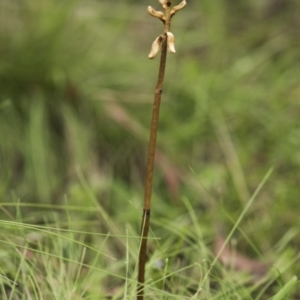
(171, 42)
(180, 6)
(163, 3)
(156, 14)
(155, 47)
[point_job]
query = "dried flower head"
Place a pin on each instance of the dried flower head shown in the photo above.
(166, 18)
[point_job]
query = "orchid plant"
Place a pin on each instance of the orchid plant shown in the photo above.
(163, 42)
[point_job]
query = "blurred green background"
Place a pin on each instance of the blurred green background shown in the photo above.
(76, 92)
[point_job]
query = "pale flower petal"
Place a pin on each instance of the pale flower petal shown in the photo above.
(171, 42)
(155, 13)
(180, 6)
(155, 47)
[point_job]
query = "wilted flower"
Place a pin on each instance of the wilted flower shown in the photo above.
(180, 6)
(171, 42)
(155, 13)
(155, 47)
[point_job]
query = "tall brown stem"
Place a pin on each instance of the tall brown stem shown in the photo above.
(149, 171)
(163, 41)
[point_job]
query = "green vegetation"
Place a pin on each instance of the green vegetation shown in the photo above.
(75, 107)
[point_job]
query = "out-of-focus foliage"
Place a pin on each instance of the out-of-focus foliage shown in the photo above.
(64, 63)
(76, 92)
(68, 69)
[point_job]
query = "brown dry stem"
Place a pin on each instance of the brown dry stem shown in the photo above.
(163, 42)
